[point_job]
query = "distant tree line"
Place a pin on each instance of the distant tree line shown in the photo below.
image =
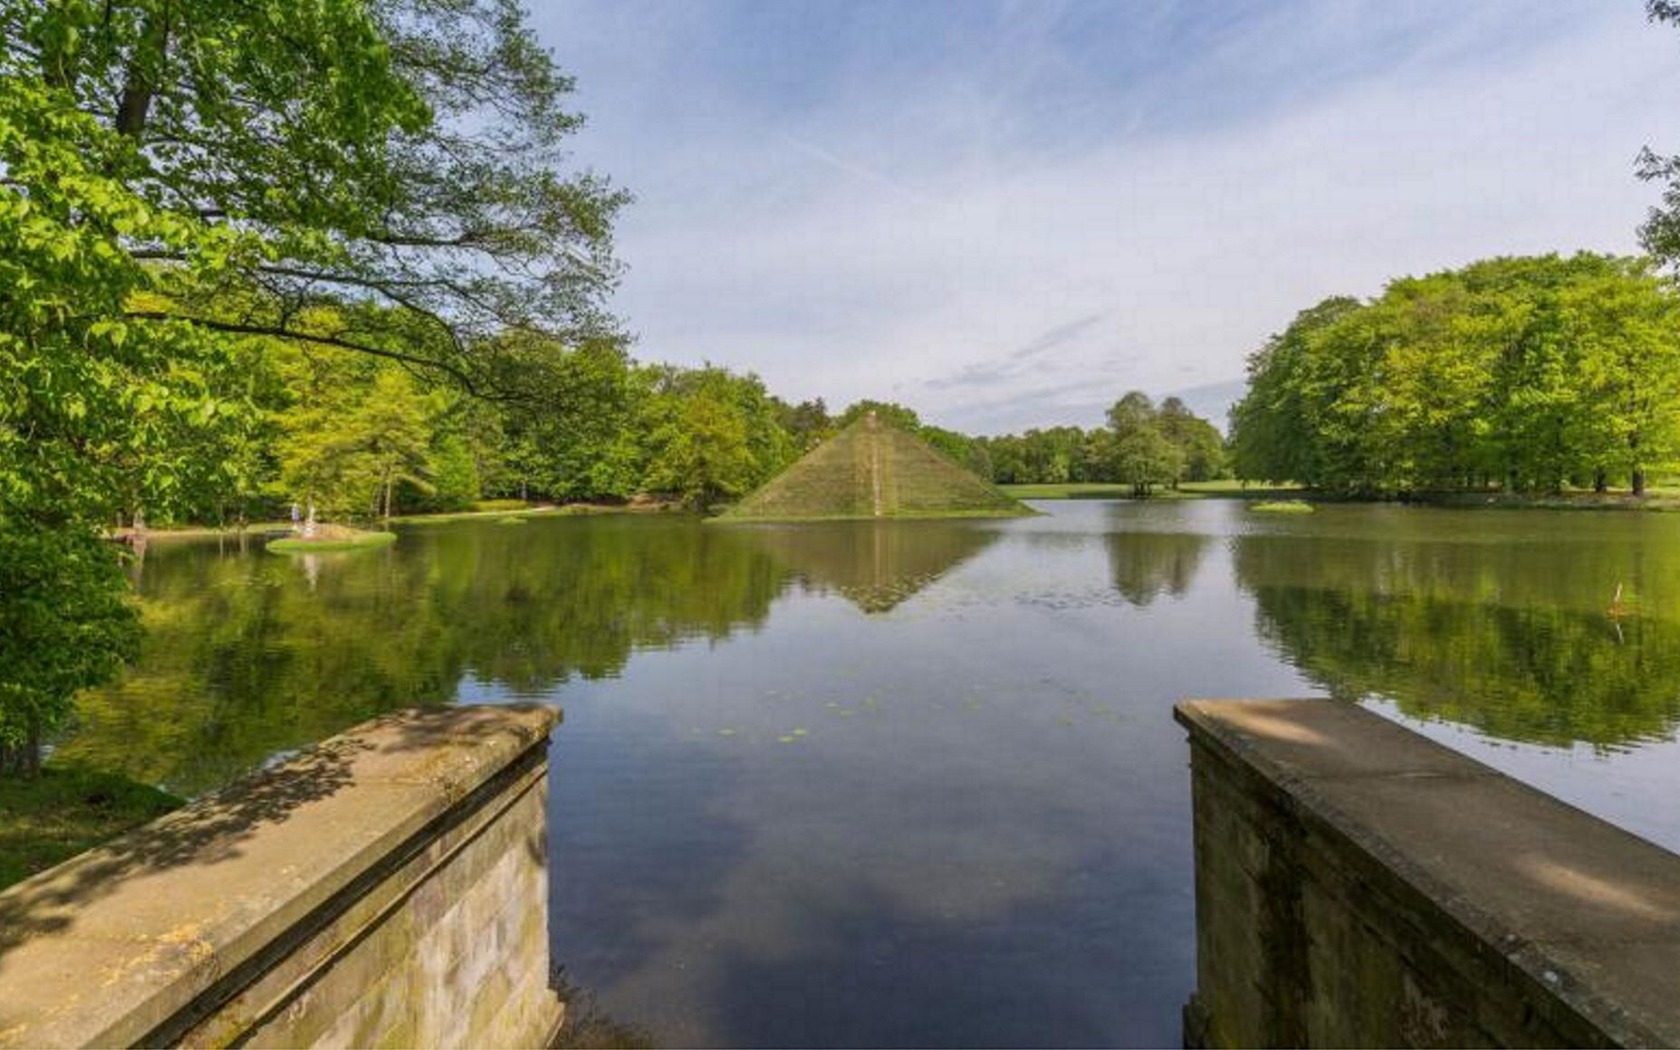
(1525, 374)
(1143, 445)
(355, 436)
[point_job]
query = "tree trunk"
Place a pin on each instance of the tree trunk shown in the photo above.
(23, 760)
(145, 66)
(1638, 471)
(1601, 481)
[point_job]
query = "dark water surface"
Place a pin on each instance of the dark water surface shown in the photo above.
(916, 784)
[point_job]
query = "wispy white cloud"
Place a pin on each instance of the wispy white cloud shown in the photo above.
(853, 168)
(1154, 194)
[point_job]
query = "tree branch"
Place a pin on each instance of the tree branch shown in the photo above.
(240, 328)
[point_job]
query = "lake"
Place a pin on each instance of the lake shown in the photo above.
(914, 783)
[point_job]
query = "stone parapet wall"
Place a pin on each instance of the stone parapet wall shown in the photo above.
(1359, 885)
(385, 888)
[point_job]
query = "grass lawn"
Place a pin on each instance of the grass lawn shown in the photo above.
(65, 811)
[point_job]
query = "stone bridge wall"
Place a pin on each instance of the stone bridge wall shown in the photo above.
(1359, 885)
(385, 888)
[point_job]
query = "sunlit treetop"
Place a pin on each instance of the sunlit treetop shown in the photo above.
(404, 157)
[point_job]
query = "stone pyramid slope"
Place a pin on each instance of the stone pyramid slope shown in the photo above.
(874, 470)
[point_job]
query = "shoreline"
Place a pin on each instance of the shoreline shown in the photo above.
(284, 529)
(1660, 501)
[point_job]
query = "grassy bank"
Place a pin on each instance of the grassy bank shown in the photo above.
(201, 532)
(63, 812)
(1226, 489)
(520, 511)
(487, 509)
(1665, 499)
(916, 515)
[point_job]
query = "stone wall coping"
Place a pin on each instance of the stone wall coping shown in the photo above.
(108, 946)
(1591, 913)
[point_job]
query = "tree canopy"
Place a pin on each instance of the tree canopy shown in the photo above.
(400, 161)
(1144, 445)
(1525, 373)
(185, 185)
(1660, 233)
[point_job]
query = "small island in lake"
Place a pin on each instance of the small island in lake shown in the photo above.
(324, 537)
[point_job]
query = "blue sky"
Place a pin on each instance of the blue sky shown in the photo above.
(1007, 214)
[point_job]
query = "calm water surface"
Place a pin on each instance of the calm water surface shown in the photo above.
(916, 783)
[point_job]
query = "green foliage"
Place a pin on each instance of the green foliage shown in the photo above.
(375, 175)
(807, 423)
(1140, 452)
(357, 429)
(98, 416)
(64, 625)
(1143, 446)
(1199, 444)
(574, 436)
(968, 453)
(887, 412)
(712, 436)
(1527, 373)
(401, 155)
(1053, 456)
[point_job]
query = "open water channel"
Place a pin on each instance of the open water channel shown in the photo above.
(914, 783)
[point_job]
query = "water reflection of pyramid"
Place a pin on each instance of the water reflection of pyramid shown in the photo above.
(874, 564)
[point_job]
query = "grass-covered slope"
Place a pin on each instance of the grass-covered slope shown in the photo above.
(48, 819)
(874, 470)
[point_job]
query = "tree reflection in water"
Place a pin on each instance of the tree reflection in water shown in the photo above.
(248, 654)
(1517, 640)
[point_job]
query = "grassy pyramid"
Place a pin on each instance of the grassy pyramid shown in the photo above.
(874, 470)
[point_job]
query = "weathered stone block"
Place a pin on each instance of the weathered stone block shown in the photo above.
(1358, 885)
